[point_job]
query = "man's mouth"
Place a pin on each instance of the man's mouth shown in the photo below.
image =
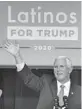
(59, 74)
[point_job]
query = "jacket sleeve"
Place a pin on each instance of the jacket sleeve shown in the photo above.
(30, 79)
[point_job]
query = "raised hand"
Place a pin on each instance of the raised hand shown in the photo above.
(11, 48)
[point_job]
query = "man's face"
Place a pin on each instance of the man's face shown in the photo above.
(61, 70)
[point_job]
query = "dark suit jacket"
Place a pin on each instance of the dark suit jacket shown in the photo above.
(48, 90)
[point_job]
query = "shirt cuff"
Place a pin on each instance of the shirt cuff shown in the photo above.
(20, 66)
(0, 92)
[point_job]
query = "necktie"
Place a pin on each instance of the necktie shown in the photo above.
(61, 94)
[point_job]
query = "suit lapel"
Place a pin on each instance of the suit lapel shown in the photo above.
(54, 89)
(71, 92)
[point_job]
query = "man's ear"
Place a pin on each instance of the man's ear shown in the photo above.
(70, 69)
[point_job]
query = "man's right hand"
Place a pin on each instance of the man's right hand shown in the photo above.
(11, 48)
(14, 50)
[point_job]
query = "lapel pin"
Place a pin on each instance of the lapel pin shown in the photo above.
(72, 93)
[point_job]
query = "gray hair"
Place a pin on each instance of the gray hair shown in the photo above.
(68, 61)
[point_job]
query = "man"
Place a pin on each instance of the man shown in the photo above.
(58, 94)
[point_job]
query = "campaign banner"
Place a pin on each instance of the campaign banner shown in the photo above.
(39, 22)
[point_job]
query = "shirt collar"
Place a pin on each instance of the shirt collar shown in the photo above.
(67, 84)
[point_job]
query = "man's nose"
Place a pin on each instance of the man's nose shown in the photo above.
(58, 68)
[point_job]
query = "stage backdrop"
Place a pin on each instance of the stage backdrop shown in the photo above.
(44, 30)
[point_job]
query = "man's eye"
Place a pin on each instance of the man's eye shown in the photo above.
(61, 66)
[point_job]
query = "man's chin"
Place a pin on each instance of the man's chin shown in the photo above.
(60, 79)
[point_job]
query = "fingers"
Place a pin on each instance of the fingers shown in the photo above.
(5, 48)
(6, 44)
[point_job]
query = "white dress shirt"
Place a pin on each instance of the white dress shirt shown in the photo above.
(66, 88)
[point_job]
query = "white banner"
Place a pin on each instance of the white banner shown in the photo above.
(42, 33)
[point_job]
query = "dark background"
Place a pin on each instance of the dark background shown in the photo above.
(16, 95)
